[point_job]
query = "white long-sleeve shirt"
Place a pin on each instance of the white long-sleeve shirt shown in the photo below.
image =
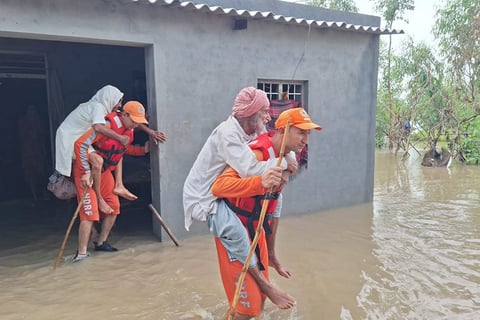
(79, 121)
(226, 145)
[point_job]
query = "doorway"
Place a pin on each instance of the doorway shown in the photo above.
(25, 158)
(42, 82)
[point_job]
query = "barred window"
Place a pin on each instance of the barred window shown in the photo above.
(284, 90)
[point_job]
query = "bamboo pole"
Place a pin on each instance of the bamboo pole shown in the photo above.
(164, 225)
(243, 274)
(75, 214)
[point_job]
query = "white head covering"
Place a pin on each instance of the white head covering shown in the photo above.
(107, 97)
(79, 121)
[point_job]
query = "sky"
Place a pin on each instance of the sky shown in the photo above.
(420, 20)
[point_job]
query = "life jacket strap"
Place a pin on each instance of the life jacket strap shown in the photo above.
(253, 216)
(107, 161)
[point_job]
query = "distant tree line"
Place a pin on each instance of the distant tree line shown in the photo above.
(426, 93)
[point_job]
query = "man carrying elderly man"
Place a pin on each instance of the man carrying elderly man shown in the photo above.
(227, 145)
(244, 197)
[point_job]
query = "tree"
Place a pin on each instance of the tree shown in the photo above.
(391, 10)
(425, 91)
(342, 5)
(457, 29)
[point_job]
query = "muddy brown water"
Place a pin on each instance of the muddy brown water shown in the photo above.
(414, 253)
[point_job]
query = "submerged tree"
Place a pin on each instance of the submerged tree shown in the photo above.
(425, 91)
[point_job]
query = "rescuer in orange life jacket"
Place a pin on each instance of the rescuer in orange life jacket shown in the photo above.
(123, 122)
(244, 197)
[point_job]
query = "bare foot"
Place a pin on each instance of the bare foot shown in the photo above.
(281, 270)
(104, 207)
(124, 193)
(281, 299)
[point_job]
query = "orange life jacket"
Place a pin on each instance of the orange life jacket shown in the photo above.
(253, 205)
(109, 149)
(249, 209)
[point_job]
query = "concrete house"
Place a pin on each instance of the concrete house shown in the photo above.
(186, 61)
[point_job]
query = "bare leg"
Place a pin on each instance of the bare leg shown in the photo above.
(94, 234)
(119, 188)
(272, 257)
(107, 225)
(84, 231)
(229, 229)
(96, 162)
(281, 299)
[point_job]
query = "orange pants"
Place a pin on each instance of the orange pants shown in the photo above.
(251, 298)
(89, 209)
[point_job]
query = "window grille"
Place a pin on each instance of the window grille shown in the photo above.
(284, 90)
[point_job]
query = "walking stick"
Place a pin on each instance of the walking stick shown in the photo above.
(241, 279)
(164, 225)
(62, 248)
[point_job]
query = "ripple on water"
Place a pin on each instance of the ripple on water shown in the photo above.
(428, 247)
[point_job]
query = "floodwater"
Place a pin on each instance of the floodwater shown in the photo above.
(414, 253)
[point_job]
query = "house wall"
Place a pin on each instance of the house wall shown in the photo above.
(196, 64)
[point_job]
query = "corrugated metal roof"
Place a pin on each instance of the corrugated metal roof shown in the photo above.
(267, 15)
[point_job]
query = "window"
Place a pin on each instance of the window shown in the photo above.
(284, 90)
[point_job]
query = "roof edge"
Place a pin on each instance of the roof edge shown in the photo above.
(270, 16)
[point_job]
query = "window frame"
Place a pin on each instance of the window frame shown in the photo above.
(275, 88)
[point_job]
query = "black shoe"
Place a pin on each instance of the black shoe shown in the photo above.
(105, 246)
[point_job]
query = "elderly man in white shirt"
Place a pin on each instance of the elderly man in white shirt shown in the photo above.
(228, 145)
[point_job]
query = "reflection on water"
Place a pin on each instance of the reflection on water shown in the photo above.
(426, 227)
(414, 253)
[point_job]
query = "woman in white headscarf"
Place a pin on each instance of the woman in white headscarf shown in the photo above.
(86, 115)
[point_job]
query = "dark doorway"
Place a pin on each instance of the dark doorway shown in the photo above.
(25, 159)
(49, 79)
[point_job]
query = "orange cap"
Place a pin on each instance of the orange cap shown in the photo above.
(136, 111)
(298, 117)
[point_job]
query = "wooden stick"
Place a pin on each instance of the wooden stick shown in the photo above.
(243, 274)
(62, 247)
(164, 225)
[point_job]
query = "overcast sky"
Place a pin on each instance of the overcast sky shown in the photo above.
(420, 20)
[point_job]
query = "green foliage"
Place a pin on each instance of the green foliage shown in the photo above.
(470, 146)
(458, 31)
(392, 10)
(440, 97)
(342, 5)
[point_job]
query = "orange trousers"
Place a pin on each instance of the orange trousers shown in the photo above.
(251, 298)
(89, 209)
